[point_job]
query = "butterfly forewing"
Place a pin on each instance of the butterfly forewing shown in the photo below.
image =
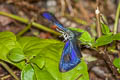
(52, 18)
(70, 56)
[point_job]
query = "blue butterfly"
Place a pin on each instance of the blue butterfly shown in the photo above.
(71, 53)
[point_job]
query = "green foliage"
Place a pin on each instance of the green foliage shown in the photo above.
(52, 72)
(38, 58)
(80, 70)
(42, 74)
(85, 37)
(39, 61)
(103, 40)
(28, 73)
(106, 39)
(105, 29)
(7, 43)
(32, 46)
(116, 63)
(116, 36)
(16, 55)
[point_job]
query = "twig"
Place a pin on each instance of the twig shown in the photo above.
(70, 7)
(83, 11)
(116, 19)
(62, 6)
(25, 29)
(26, 21)
(77, 20)
(109, 61)
(5, 77)
(97, 12)
(8, 69)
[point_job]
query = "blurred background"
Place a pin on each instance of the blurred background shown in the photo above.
(71, 13)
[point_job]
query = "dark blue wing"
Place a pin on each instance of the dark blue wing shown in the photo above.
(70, 57)
(52, 18)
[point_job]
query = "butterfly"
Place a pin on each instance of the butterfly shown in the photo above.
(71, 55)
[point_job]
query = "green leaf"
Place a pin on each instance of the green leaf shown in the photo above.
(8, 42)
(49, 53)
(32, 45)
(85, 37)
(51, 72)
(116, 62)
(52, 58)
(39, 61)
(47, 68)
(52, 53)
(16, 55)
(52, 67)
(105, 29)
(103, 40)
(42, 74)
(28, 73)
(80, 70)
(116, 36)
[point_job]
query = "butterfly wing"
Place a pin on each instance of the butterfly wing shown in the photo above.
(70, 57)
(51, 17)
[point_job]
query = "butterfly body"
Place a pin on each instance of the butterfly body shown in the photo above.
(71, 53)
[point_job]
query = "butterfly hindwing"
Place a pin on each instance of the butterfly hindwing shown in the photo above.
(70, 57)
(52, 18)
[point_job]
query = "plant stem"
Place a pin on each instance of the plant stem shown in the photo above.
(98, 22)
(62, 6)
(68, 2)
(78, 20)
(116, 19)
(8, 69)
(25, 29)
(5, 77)
(26, 21)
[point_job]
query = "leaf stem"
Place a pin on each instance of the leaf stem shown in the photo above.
(25, 29)
(116, 19)
(26, 21)
(8, 69)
